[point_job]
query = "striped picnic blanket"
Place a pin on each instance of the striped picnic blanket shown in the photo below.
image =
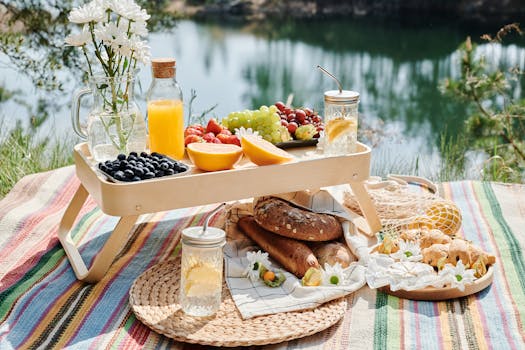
(42, 305)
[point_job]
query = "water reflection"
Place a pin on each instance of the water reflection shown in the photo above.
(396, 69)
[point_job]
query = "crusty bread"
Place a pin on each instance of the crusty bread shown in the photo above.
(280, 217)
(333, 252)
(293, 255)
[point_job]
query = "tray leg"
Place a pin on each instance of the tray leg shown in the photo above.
(371, 223)
(106, 255)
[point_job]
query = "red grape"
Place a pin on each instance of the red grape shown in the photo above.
(280, 106)
(284, 122)
(290, 116)
(292, 126)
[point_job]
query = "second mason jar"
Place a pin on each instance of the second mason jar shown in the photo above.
(165, 110)
(340, 118)
(201, 270)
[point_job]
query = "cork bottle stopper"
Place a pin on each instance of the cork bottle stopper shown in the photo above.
(163, 67)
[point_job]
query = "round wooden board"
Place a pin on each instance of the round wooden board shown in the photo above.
(153, 297)
(436, 294)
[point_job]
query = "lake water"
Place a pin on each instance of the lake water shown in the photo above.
(396, 68)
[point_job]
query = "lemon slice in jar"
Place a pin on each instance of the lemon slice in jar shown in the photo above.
(202, 280)
(335, 127)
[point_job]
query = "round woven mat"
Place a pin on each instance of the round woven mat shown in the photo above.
(154, 300)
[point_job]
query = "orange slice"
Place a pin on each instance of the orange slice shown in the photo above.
(262, 152)
(335, 127)
(214, 156)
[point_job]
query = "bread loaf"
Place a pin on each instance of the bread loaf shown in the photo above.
(280, 217)
(333, 252)
(293, 255)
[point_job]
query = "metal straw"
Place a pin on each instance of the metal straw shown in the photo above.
(207, 221)
(333, 77)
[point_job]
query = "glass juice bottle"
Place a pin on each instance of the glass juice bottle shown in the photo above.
(165, 110)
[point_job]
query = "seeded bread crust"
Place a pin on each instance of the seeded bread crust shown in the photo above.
(280, 217)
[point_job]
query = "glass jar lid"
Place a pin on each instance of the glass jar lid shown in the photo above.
(213, 237)
(341, 97)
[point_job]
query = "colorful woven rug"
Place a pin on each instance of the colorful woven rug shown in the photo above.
(43, 306)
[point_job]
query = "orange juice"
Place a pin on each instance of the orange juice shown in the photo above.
(166, 127)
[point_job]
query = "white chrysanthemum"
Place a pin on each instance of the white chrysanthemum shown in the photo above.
(141, 51)
(130, 10)
(79, 39)
(408, 251)
(332, 275)
(457, 275)
(91, 12)
(256, 261)
(112, 35)
(242, 131)
(139, 28)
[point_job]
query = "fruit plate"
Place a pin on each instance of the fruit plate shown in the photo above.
(153, 298)
(436, 294)
(297, 143)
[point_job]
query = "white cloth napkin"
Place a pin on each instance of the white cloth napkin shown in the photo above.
(255, 298)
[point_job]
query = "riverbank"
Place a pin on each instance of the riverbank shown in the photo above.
(481, 11)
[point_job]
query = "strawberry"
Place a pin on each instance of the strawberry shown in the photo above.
(198, 127)
(208, 137)
(216, 140)
(190, 130)
(225, 131)
(234, 140)
(213, 126)
(223, 137)
(191, 139)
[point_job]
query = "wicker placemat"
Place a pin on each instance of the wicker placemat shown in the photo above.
(154, 300)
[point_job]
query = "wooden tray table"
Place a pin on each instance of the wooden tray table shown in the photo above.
(129, 200)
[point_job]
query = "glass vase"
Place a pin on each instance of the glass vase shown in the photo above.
(114, 124)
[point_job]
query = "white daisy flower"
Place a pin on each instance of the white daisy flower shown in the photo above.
(91, 12)
(408, 251)
(256, 261)
(79, 39)
(141, 51)
(332, 275)
(129, 9)
(457, 275)
(139, 28)
(242, 131)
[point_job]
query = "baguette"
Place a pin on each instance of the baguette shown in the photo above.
(333, 252)
(293, 255)
(281, 217)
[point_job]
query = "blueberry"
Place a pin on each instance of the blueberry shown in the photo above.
(123, 165)
(150, 167)
(169, 172)
(134, 154)
(136, 178)
(119, 175)
(149, 175)
(180, 169)
(132, 157)
(164, 166)
(129, 173)
(103, 168)
(155, 164)
(133, 162)
(155, 154)
(159, 173)
(143, 154)
(139, 172)
(143, 159)
(121, 156)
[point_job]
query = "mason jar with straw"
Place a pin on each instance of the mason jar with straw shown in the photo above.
(340, 119)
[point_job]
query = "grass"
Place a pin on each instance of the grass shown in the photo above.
(23, 153)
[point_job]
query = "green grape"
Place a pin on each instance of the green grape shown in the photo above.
(264, 120)
(273, 108)
(305, 132)
(263, 109)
